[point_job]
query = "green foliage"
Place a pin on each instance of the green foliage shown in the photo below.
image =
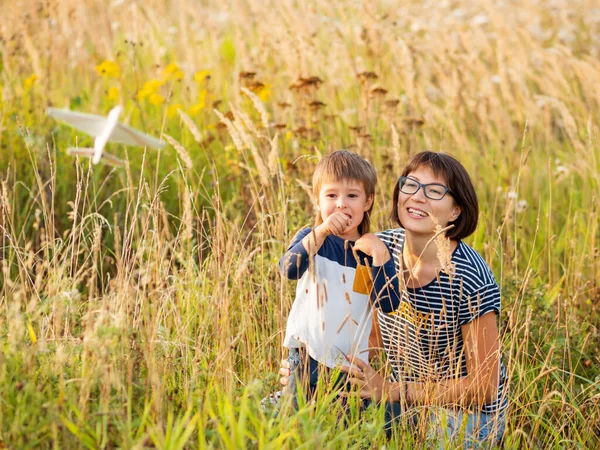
(142, 307)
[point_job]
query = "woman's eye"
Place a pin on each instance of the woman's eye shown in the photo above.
(410, 184)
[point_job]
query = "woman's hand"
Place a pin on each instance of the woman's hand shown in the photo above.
(371, 245)
(284, 371)
(370, 383)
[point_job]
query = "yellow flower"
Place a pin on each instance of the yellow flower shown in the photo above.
(196, 109)
(199, 77)
(109, 69)
(149, 88)
(264, 92)
(113, 94)
(156, 99)
(28, 83)
(172, 71)
(172, 110)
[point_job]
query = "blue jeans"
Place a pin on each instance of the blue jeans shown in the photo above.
(474, 430)
(305, 373)
(452, 428)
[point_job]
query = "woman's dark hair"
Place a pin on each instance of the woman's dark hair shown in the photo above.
(459, 182)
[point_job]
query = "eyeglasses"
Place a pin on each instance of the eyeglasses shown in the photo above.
(433, 191)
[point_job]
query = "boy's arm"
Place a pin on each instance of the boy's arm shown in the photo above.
(294, 261)
(307, 243)
(385, 293)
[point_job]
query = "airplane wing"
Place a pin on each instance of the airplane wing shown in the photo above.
(130, 136)
(93, 125)
(109, 159)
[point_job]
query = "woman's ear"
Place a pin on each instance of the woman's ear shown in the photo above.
(455, 213)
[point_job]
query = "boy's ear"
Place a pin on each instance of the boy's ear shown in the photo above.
(369, 202)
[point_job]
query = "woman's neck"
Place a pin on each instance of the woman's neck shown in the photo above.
(419, 251)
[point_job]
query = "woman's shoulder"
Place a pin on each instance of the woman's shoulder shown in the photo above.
(471, 265)
(391, 234)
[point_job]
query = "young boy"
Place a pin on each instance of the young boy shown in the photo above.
(331, 315)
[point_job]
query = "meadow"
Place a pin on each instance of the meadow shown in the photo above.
(141, 306)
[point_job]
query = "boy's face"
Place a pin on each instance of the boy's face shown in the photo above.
(348, 197)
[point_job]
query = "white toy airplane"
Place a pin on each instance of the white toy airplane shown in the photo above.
(104, 129)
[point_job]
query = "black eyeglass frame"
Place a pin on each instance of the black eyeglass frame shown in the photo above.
(402, 182)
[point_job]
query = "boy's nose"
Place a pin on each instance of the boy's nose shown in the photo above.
(341, 202)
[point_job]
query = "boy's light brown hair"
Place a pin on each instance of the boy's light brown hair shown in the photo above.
(346, 165)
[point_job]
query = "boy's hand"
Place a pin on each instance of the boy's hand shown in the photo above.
(336, 223)
(371, 245)
(284, 371)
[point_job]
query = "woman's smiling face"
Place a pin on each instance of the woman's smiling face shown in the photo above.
(420, 214)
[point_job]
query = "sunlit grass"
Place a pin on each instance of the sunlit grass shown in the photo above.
(142, 307)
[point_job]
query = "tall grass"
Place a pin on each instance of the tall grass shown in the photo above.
(141, 307)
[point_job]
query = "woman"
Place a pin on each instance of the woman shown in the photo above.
(442, 343)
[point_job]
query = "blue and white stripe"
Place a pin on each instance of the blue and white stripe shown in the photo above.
(423, 338)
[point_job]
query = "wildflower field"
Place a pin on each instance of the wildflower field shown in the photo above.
(141, 306)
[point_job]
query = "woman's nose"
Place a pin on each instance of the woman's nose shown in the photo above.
(420, 195)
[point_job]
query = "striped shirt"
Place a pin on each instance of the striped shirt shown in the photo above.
(423, 339)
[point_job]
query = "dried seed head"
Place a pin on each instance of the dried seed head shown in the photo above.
(316, 105)
(306, 83)
(256, 86)
(312, 81)
(414, 121)
(247, 75)
(367, 76)
(378, 92)
(302, 131)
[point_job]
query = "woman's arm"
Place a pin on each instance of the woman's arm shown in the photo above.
(479, 387)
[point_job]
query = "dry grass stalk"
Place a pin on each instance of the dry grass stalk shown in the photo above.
(443, 245)
(181, 151)
(260, 107)
(191, 125)
(273, 159)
